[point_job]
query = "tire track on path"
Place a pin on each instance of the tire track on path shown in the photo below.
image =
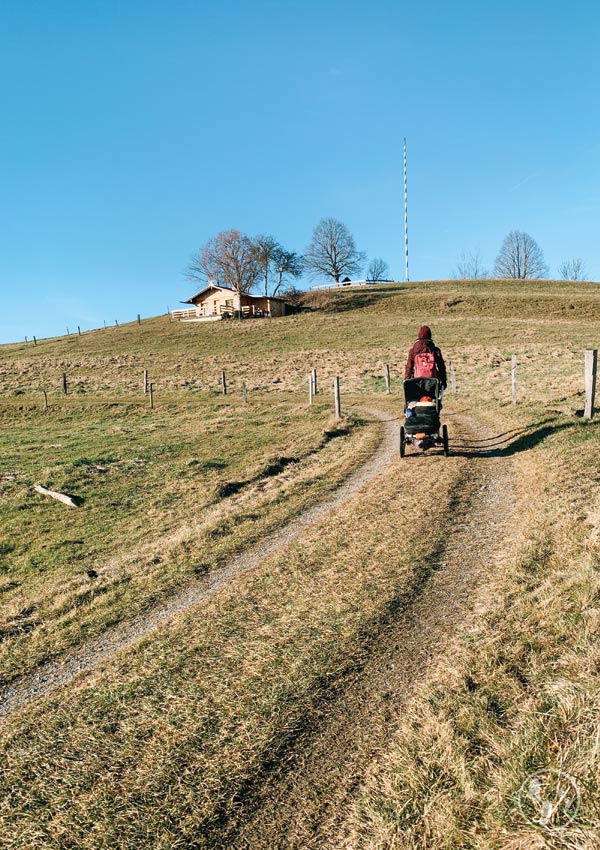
(59, 672)
(301, 800)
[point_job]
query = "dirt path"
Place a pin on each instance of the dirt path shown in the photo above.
(300, 800)
(55, 673)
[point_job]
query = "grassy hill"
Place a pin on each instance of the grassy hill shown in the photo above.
(199, 710)
(478, 324)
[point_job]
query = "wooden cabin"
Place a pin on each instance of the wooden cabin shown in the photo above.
(217, 302)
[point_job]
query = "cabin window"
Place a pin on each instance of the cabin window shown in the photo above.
(229, 302)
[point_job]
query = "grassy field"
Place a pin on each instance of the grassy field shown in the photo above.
(166, 496)
(202, 712)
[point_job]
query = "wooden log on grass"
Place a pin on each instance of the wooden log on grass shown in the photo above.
(60, 497)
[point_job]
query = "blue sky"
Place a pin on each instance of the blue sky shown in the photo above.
(134, 131)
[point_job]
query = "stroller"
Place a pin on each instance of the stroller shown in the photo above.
(422, 407)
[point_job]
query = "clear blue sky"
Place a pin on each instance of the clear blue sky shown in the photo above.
(134, 130)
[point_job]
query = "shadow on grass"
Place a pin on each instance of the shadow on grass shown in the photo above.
(510, 442)
(336, 300)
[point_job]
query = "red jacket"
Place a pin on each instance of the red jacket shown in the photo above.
(425, 343)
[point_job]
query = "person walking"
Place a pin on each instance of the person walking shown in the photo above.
(425, 359)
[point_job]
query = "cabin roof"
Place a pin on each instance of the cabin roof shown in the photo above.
(218, 287)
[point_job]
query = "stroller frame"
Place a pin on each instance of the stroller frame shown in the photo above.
(422, 427)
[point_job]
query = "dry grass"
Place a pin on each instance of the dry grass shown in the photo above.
(519, 692)
(193, 714)
(162, 746)
(351, 333)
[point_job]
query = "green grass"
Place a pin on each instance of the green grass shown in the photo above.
(165, 494)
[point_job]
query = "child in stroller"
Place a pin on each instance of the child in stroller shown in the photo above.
(422, 407)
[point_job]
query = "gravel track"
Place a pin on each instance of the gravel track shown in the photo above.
(60, 672)
(300, 800)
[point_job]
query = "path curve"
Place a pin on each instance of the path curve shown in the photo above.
(53, 674)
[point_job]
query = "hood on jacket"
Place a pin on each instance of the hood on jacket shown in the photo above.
(425, 332)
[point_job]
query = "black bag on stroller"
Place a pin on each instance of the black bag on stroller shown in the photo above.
(422, 405)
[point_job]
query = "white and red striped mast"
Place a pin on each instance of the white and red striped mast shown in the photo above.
(405, 214)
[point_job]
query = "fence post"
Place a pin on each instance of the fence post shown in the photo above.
(314, 377)
(513, 372)
(336, 397)
(388, 388)
(139, 319)
(151, 391)
(64, 383)
(245, 392)
(145, 381)
(224, 382)
(26, 340)
(78, 331)
(452, 377)
(45, 399)
(34, 341)
(591, 366)
(68, 334)
(311, 387)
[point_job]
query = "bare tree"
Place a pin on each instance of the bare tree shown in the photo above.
(520, 257)
(332, 251)
(275, 261)
(266, 248)
(573, 269)
(229, 258)
(196, 270)
(288, 266)
(378, 269)
(470, 266)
